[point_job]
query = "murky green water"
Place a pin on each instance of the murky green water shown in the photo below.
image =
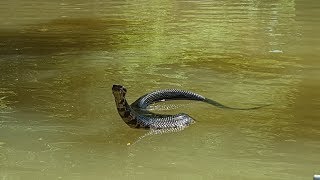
(58, 61)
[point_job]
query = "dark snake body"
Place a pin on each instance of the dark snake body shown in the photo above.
(136, 115)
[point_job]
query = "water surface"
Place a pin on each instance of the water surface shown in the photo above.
(59, 60)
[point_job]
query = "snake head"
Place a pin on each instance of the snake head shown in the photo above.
(119, 91)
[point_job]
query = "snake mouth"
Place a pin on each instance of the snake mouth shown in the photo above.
(119, 91)
(117, 87)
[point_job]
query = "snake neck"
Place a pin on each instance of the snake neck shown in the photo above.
(126, 112)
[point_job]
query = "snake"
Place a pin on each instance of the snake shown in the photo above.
(136, 114)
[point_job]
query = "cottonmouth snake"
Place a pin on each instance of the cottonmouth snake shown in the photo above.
(136, 115)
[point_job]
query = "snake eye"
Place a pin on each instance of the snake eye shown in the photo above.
(124, 89)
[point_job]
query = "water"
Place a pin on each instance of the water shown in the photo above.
(59, 60)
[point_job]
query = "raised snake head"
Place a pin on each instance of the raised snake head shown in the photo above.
(124, 109)
(119, 92)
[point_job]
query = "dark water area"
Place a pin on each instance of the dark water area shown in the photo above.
(59, 60)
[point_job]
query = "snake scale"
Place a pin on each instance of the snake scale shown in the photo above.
(136, 115)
